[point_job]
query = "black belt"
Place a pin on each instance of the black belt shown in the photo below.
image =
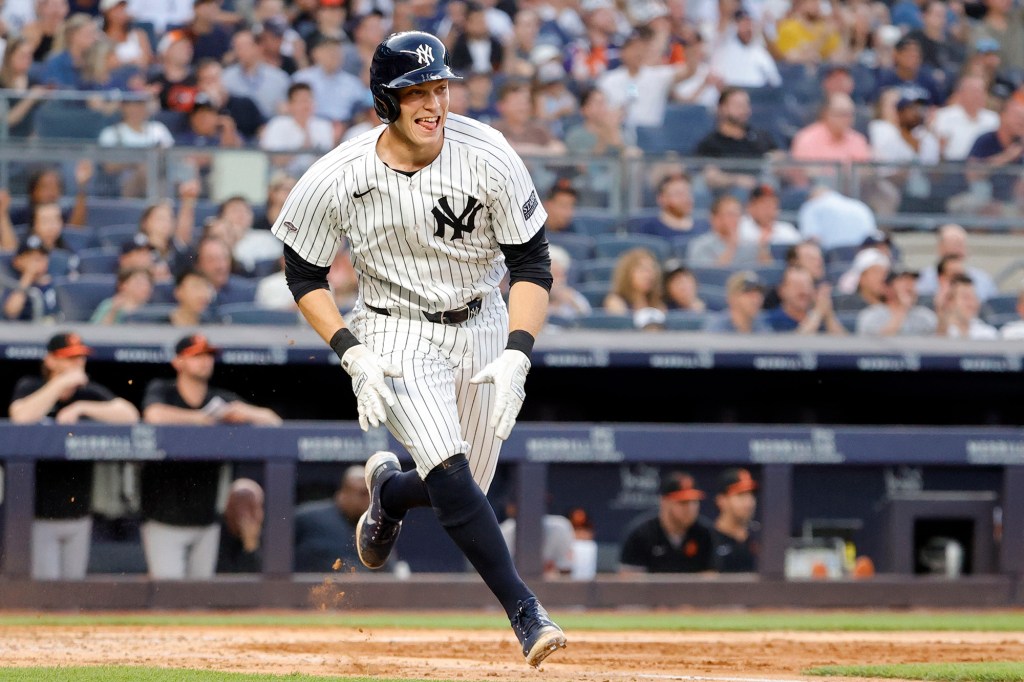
(456, 316)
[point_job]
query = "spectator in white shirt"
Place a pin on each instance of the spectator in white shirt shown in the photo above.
(135, 131)
(958, 125)
(760, 224)
(906, 140)
(298, 129)
(835, 220)
(958, 312)
(638, 87)
(742, 61)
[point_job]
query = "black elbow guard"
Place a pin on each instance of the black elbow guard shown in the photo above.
(303, 277)
(529, 262)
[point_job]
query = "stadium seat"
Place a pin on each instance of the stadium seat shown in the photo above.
(62, 263)
(680, 245)
(614, 245)
(78, 238)
(713, 296)
(98, 260)
(587, 223)
(579, 246)
(602, 320)
(685, 320)
(77, 299)
(58, 121)
(163, 292)
(711, 276)
(152, 313)
(250, 313)
(1000, 309)
(116, 235)
(848, 303)
(841, 254)
(595, 293)
(685, 126)
(596, 270)
(104, 212)
(848, 318)
(268, 266)
(240, 290)
(780, 251)
(770, 275)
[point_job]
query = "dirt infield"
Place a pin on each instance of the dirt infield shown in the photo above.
(490, 655)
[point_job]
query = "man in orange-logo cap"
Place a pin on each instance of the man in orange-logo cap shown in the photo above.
(735, 531)
(64, 394)
(675, 540)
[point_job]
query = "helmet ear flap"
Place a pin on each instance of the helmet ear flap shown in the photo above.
(385, 104)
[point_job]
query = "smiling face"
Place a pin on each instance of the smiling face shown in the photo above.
(423, 111)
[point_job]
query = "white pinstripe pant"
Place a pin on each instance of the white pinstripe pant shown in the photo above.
(437, 412)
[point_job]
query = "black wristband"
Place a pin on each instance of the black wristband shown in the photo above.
(520, 340)
(342, 340)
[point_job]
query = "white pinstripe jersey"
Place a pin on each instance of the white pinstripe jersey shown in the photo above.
(426, 242)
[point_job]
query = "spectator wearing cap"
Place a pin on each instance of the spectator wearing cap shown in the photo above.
(173, 82)
(475, 49)
(133, 290)
(336, 93)
(640, 86)
(270, 36)
(33, 297)
(964, 119)
(675, 539)
(131, 44)
(722, 246)
(761, 225)
(1001, 151)
(681, 288)
(744, 295)
(1003, 22)
(565, 302)
(834, 220)
(64, 394)
(804, 309)
(251, 77)
(952, 241)
(866, 277)
(907, 141)
(180, 529)
(958, 312)
(805, 36)
(207, 127)
(742, 61)
(297, 130)
(675, 216)
(735, 531)
(899, 314)
(908, 73)
(134, 131)
(210, 39)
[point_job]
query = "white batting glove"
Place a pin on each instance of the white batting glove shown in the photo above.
(508, 374)
(368, 370)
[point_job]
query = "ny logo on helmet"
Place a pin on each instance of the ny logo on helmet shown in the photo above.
(425, 54)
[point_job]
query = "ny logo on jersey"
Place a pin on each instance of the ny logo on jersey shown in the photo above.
(425, 54)
(464, 222)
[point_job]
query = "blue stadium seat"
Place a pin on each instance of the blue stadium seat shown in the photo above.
(792, 198)
(686, 125)
(115, 235)
(262, 268)
(77, 299)
(848, 318)
(163, 292)
(841, 254)
(713, 296)
(614, 245)
(779, 251)
(602, 320)
(1000, 309)
(104, 212)
(77, 238)
(98, 260)
(848, 303)
(58, 121)
(680, 245)
(593, 223)
(595, 293)
(711, 276)
(771, 275)
(596, 270)
(685, 320)
(250, 313)
(62, 263)
(239, 290)
(579, 246)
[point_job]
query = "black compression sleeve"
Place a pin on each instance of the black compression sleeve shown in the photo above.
(529, 262)
(302, 276)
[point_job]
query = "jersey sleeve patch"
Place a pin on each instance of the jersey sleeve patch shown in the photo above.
(531, 205)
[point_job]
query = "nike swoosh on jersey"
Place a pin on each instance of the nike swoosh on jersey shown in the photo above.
(359, 195)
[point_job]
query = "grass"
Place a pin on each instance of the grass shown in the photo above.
(939, 672)
(725, 621)
(130, 674)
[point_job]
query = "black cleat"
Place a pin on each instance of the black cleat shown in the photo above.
(536, 631)
(376, 533)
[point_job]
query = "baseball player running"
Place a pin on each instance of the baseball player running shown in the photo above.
(434, 207)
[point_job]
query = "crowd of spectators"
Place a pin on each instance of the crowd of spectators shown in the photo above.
(906, 84)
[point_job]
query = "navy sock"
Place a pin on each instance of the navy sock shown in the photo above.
(403, 492)
(463, 510)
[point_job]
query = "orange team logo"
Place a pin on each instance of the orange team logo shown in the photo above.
(690, 549)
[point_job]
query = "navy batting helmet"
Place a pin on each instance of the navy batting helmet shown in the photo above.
(405, 59)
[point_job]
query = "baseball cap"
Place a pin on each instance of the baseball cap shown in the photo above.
(986, 45)
(274, 26)
(762, 191)
(646, 317)
(203, 101)
(194, 344)
(902, 271)
(32, 243)
(679, 487)
(735, 481)
(911, 97)
(907, 41)
(137, 242)
(67, 345)
(875, 238)
(743, 281)
(169, 39)
(107, 5)
(672, 266)
(551, 72)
